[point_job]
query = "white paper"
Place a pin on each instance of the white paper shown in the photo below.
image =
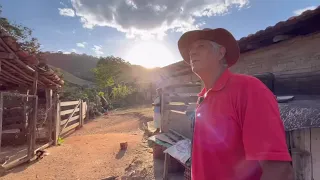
(180, 151)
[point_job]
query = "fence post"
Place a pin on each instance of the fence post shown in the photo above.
(57, 122)
(49, 112)
(81, 113)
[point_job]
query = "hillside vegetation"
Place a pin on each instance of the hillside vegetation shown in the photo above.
(81, 65)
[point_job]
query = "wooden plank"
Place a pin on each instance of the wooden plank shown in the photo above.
(84, 110)
(81, 113)
(315, 151)
(12, 126)
(166, 166)
(49, 107)
(180, 123)
(69, 103)
(56, 120)
(34, 89)
(17, 95)
(162, 110)
(182, 85)
(187, 99)
(300, 146)
(73, 126)
(1, 117)
(63, 122)
(69, 111)
(176, 107)
(34, 124)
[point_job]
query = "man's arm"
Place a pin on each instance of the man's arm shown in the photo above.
(263, 132)
(276, 170)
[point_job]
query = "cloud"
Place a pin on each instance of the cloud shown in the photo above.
(97, 50)
(62, 51)
(150, 18)
(82, 45)
(300, 11)
(73, 50)
(66, 12)
(61, 3)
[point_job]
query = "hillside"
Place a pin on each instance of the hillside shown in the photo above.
(80, 65)
(68, 77)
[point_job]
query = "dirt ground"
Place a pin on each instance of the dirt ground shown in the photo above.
(93, 152)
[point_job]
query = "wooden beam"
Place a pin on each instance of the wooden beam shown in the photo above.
(6, 55)
(25, 75)
(69, 111)
(81, 113)
(32, 128)
(166, 166)
(63, 122)
(69, 103)
(16, 59)
(1, 117)
(35, 84)
(73, 126)
(49, 112)
(12, 77)
(57, 118)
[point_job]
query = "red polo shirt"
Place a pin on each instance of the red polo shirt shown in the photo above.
(237, 125)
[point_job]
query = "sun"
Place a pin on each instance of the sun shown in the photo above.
(150, 54)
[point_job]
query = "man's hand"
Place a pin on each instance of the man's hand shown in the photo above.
(276, 170)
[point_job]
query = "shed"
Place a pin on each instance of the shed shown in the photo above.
(290, 52)
(28, 90)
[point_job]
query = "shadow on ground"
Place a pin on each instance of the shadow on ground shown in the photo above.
(120, 154)
(143, 119)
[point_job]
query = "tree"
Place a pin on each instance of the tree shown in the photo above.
(111, 71)
(21, 33)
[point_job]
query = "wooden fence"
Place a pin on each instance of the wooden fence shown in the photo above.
(70, 116)
(175, 101)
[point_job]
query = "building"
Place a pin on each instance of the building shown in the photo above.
(290, 51)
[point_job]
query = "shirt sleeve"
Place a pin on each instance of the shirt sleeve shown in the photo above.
(262, 128)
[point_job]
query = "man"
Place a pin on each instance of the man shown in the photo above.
(238, 132)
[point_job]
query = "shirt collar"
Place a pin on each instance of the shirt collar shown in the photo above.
(219, 84)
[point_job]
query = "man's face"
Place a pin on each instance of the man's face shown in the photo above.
(205, 56)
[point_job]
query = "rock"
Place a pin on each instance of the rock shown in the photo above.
(123, 145)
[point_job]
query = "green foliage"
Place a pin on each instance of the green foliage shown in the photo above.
(21, 33)
(60, 141)
(111, 71)
(121, 91)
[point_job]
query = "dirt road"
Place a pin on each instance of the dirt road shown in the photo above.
(93, 152)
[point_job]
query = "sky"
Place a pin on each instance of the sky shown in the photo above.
(143, 32)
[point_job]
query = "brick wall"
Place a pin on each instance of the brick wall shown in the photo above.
(297, 55)
(295, 63)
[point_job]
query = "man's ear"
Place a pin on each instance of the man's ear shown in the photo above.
(223, 51)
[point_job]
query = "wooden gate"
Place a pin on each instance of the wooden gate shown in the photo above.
(70, 115)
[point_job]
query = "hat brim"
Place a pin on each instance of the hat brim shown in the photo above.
(219, 35)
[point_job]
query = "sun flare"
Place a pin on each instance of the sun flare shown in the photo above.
(150, 54)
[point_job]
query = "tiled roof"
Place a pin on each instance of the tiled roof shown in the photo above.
(310, 18)
(18, 66)
(291, 26)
